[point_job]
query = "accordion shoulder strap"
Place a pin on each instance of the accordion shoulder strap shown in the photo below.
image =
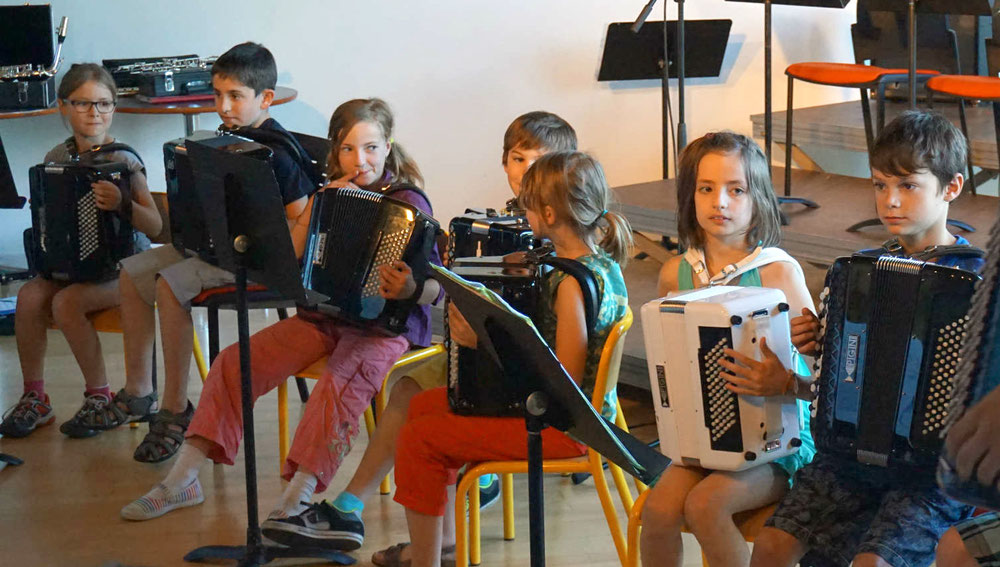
(758, 258)
(399, 187)
(588, 285)
(104, 148)
(893, 246)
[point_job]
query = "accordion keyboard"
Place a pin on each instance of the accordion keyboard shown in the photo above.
(721, 403)
(946, 357)
(86, 216)
(390, 249)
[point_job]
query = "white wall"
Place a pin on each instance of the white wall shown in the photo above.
(455, 71)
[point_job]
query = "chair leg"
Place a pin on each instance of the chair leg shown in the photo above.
(369, 422)
(968, 156)
(199, 357)
(601, 483)
(507, 492)
(634, 527)
(213, 334)
(866, 115)
(461, 531)
(788, 138)
(282, 424)
(996, 127)
(475, 527)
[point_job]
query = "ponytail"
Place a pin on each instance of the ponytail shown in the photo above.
(617, 239)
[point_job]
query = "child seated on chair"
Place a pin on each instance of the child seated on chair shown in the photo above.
(337, 524)
(566, 198)
(87, 97)
(729, 223)
(363, 155)
(841, 511)
(243, 79)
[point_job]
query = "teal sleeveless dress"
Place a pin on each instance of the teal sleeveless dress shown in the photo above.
(794, 462)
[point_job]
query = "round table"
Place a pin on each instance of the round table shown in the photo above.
(6, 114)
(191, 110)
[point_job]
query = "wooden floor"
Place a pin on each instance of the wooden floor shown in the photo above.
(841, 126)
(61, 507)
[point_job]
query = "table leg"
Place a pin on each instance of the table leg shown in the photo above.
(190, 124)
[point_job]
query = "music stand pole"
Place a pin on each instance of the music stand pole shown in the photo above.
(535, 407)
(768, 133)
(681, 55)
(665, 100)
(912, 16)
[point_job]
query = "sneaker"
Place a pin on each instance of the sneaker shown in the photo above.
(321, 525)
(489, 494)
(76, 427)
(30, 413)
(159, 501)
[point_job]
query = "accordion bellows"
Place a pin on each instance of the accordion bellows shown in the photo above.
(891, 333)
(700, 422)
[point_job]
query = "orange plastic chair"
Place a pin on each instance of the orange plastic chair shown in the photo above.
(315, 370)
(591, 463)
(749, 524)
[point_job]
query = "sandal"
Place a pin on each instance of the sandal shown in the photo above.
(166, 434)
(123, 408)
(390, 556)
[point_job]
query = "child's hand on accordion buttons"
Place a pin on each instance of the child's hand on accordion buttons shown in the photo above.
(397, 281)
(107, 195)
(805, 332)
(461, 332)
(752, 378)
(973, 445)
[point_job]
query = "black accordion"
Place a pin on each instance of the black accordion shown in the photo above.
(489, 233)
(73, 240)
(978, 372)
(188, 228)
(351, 233)
(891, 333)
(476, 384)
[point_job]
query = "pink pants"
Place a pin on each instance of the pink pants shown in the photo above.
(357, 366)
(435, 442)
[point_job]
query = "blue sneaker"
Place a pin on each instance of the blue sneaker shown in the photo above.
(489, 491)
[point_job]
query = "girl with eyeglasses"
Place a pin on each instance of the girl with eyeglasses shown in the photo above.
(87, 98)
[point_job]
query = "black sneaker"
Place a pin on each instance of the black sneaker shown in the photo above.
(30, 412)
(321, 525)
(78, 427)
(489, 495)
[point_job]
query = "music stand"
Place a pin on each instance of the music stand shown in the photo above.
(241, 195)
(555, 400)
(9, 199)
(768, 130)
(953, 7)
(632, 56)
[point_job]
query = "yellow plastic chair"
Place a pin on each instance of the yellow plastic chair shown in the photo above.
(592, 463)
(749, 523)
(315, 370)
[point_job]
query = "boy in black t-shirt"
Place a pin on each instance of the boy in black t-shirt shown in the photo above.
(243, 79)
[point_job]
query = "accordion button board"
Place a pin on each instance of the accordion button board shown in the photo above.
(699, 421)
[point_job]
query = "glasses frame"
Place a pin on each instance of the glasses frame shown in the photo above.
(84, 106)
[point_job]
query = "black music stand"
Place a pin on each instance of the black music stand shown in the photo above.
(553, 400)
(241, 195)
(9, 199)
(768, 130)
(953, 7)
(632, 56)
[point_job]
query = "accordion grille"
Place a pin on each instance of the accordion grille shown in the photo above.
(86, 222)
(721, 404)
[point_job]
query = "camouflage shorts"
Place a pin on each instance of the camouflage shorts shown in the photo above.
(840, 508)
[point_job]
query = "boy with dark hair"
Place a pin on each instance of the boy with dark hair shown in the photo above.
(529, 137)
(839, 510)
(243, 79)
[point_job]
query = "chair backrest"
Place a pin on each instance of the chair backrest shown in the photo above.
(611, 360)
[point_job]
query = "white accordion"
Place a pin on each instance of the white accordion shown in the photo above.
(700, 422)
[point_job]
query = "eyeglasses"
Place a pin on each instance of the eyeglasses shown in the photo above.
(103, 106)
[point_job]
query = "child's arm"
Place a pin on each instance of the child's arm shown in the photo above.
(145, 216)
(973, 444)
(297, 214)
(667, 281)
(769, 377)
(571, 329)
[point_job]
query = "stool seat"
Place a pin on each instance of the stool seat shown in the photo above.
(227, 294)
(844, 74)
(966, 86)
